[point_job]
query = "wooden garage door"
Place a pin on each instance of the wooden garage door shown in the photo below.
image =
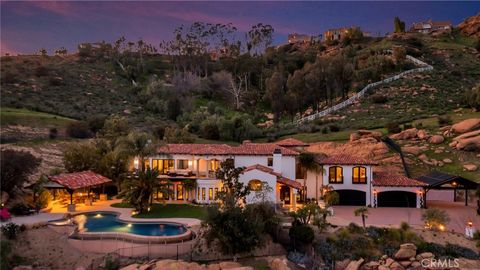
(352, 197)
(396, 199)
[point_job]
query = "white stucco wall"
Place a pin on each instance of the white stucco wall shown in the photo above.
(348, 181)
(264, 177)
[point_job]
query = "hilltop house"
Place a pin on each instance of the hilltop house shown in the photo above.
(431, 26)
(335, 33)
(277, 165)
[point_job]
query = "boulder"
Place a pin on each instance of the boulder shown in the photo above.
(383, 267)
(389, 262)
(396, 266)
(470, 167)
(354, 265)
(23, 267)
(279, 264)
(373, 265)
(447, 160)
(213, 267)
(405, 264)
(406, 252)
(414, 150)
(422, 134)
(362, 133)
(406, 134)
(469, 141)
(466, 125)
(342, 264)
(436, 139)
(229, 265)
(425, 255)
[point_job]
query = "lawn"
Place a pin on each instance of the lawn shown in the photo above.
(170, 211)
(13, 116)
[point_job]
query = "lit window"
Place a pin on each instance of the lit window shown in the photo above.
(210, 194)
(179, 192)
(203, 194)
(335, 175)
(255, 184)
(359, 175)
(214, 164)
(216, 192)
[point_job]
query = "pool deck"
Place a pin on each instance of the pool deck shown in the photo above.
(125, 214)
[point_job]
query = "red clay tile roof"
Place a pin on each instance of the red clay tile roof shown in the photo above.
(194, 149)
(223, 149)
(291, 142)
(387, 179)
(343, 159)
(78, 180)
(280, 178)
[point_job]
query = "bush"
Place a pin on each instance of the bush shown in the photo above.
(334, 128)
(10, 230)
(379, 99)
(472, 98)
(435, 218)
(16, 167)
(20, 209)
(79, 130)
(393, 128)
(444, 120)
(53, 133)
(324, 130)
(210, 130)
(41, 71)
(301, 234)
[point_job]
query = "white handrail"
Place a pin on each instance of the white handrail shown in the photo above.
(424, 67)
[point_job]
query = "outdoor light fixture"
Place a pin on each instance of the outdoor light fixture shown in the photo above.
(148, 209)
(98, 215)
(129, 225)
(135, 162)
(441, 227)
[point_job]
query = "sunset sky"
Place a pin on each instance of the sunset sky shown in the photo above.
(28, 26)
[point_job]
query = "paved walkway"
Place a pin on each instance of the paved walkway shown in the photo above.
(392, 216)
(59, 211)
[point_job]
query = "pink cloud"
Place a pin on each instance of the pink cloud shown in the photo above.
(5, 48)
(61, 8)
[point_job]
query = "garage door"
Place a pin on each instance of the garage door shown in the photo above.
(396, 199)
(352, 197)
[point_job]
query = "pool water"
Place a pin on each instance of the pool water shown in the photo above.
(108, 222)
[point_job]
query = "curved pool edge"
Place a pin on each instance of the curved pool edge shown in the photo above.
(79, 235)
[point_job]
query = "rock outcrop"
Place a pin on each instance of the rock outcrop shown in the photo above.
(406, 134)
(360, 134)
(466, 125)
(436, 139)
(471, 26)
(469, 141)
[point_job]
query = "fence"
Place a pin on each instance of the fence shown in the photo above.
(423, 67)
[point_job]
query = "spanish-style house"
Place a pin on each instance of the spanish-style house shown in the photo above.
(431, 26)
(277, 166)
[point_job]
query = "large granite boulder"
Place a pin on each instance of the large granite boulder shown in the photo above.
(436, 139)
(406, 134)
(466, 125)
(406, 252)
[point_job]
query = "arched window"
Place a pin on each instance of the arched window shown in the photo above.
(359, 175)
(255, 185)
(335, 175)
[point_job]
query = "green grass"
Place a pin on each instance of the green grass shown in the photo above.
(12, 116)
(170, 211)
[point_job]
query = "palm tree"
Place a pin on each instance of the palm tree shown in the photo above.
(362, 211)
(139, 189)
(136, 144)
(307, 161)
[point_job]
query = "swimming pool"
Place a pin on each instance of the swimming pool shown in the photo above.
(106, 222)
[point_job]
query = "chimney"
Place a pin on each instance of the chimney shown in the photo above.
(277, 160)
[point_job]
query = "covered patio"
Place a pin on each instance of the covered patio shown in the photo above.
(443, 181)
(79, 186)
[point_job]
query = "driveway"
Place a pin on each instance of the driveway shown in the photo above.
(392, 216)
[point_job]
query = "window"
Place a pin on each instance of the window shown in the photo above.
(359, 175)
(255, 185)
(198, 193)
(182, 164)
(203, 194)
(335, 175)
(214, 164)
(163, 165)
(210, 194)
(147, 164)
(270, 161)
(216, 193)
(179, 192)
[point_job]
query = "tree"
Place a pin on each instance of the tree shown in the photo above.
(114, 127)
(178, 135)
(275, 94)
(16, 166)
(138, 189)
(43, 52)
(472, 97)
(435, 219)
(234, 192)
(308, 163)
(399, 54)
(330, 197)
(136, 145)
(398, 25)
(363, 212)
(231, 87)
(305, 214)
(260, 34)
(81, 157)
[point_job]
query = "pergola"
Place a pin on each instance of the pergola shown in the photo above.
(76, 180)
(443, 181)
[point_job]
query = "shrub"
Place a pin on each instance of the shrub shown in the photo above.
(435, 218)
(379, 99)
(324, 130)
(444, 120)
(393, 128)
(79, 130)
(53, 133)
(472, 97)
(301, 234)
(20, 209)
(334, 128)
(111, 263)
(10, 230)
(210, 130)
(16, 167)
(41, 71)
